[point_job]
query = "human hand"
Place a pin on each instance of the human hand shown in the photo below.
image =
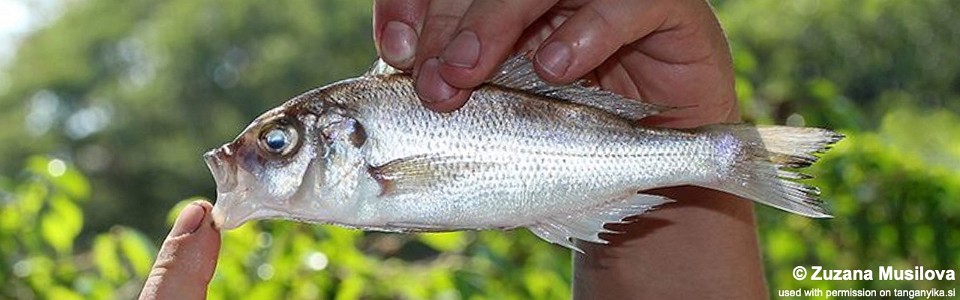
(671, 53)
(187, 258)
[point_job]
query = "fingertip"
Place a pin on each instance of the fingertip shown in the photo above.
(433, 90)
(398, 45)
(463, 51)
(466, 65)
(450, 105)
(190, 219)
(485, 36)
(461, 64)
(203, 203)
(552, 62)
(461, 78)
(208, 223)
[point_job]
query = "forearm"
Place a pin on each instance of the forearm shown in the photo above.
(702, 247)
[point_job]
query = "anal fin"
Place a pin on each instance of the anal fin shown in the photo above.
(588, 224)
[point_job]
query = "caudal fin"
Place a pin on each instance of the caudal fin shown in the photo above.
(762, 161)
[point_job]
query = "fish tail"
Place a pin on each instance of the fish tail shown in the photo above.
(759, 163)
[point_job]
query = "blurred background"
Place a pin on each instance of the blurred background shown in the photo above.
(107, 105)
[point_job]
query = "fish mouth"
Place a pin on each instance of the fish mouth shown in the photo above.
(223, 170)
(224, 173)
(232, 207)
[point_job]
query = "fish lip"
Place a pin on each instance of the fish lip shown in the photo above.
(224, 175)
(223, 170)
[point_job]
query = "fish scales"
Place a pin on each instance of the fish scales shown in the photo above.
(541, 164)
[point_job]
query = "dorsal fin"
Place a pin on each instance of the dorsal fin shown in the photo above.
(380, 67)
(518, 73)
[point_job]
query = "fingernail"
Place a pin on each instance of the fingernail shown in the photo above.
(463, 51)
(189, 220)
(398, 42)
(430, 86)
(554, 58)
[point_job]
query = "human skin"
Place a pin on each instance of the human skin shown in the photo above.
(672, 53)
(188, 257)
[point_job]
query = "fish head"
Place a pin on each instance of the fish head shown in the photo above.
(259, 173)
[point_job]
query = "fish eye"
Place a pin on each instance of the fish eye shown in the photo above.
(279, 140)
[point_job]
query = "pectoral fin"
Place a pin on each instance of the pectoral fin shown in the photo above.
(421, 172)
(588, 224)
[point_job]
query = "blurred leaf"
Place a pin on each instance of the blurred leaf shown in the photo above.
(73, 183)
(350, 288)
(106, 259)
(446, 241)
(57, 292)
(137, 249)
(61, 225)
(266, 290)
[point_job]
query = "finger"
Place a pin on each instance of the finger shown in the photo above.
(438, 28)
(395, 27)
(435, 93)
(595, 32)
(539, 31)
(187, 258)
(487, 34)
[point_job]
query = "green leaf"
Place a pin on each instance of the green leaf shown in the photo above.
(266, 290)
(350, 288)
(73, 183)
(446, 241)
(61, 224)
(30, 199)
(62, 293)
(106, 259)
(138, 250)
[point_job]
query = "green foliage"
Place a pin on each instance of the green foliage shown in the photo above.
(840, 63)
(264, 260)
(893, 207)
(289, 260)
(134, 96)
(41, 220)
(119, 99)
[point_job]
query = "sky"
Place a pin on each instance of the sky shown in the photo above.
(17, 18)
(14, 20)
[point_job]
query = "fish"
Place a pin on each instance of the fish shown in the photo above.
(560, 161)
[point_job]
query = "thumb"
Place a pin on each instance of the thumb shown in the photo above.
(188, 257)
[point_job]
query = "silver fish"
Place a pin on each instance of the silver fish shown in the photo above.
(561, 161)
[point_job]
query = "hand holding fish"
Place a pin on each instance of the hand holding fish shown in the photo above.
(669, 52)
